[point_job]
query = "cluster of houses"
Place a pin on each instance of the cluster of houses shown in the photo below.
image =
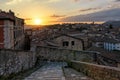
(77, 38)
(82, 37)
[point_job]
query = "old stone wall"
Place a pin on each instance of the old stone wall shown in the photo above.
(13, 61)
(58, 54)
(78, 45)
(97, 72)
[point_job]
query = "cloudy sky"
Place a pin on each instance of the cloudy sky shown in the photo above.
(52, 11)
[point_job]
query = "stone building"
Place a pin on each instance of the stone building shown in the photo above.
(69, 42)
(11, 31)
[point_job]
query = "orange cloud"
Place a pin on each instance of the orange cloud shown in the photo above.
(57, 16)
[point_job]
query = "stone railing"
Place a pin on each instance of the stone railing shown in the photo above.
(13, 61)
(97, 72)
(58, 54)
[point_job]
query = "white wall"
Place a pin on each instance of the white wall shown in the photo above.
(117, 46)
(111, 46)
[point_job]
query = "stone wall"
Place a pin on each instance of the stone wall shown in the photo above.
(58, 54)
(78, 43)
(97, 72)
(14, 61)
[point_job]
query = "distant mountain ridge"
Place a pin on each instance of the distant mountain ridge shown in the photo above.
(113, 23)
(101, 16)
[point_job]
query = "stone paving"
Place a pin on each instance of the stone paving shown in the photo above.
(51, 71)
(71, 74)
(54, 71)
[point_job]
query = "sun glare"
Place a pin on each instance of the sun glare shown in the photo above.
(37, 21)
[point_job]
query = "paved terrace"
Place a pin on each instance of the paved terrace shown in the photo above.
(54, 71)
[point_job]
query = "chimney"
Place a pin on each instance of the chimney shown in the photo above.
(10, 12)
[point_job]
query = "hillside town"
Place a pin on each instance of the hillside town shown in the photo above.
(102, 41)
(101, 38)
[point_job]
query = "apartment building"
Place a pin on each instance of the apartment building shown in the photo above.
(11, 31)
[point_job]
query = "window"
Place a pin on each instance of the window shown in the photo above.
(65, 43)
(73, 43)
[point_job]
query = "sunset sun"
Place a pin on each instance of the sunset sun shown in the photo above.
(37, 21)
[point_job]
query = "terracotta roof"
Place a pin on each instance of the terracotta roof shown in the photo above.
(6, 15)
(67, 36)
(113, 55)
(111, 40)
(50, 43)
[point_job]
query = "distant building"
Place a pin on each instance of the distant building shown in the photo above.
(11, 31)
(112, 44)
(84, 37)
(97, 41)
(28, 32)
(69, 42)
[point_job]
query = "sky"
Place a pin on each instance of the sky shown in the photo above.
(55, 11)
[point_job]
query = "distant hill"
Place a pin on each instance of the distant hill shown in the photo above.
(101, 16)
(31, 26)
(113, 23)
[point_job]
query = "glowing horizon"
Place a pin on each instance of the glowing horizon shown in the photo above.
(52, 11)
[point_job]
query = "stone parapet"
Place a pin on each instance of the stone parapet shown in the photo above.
(97, 72)
(14, 61)
(59, 54)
